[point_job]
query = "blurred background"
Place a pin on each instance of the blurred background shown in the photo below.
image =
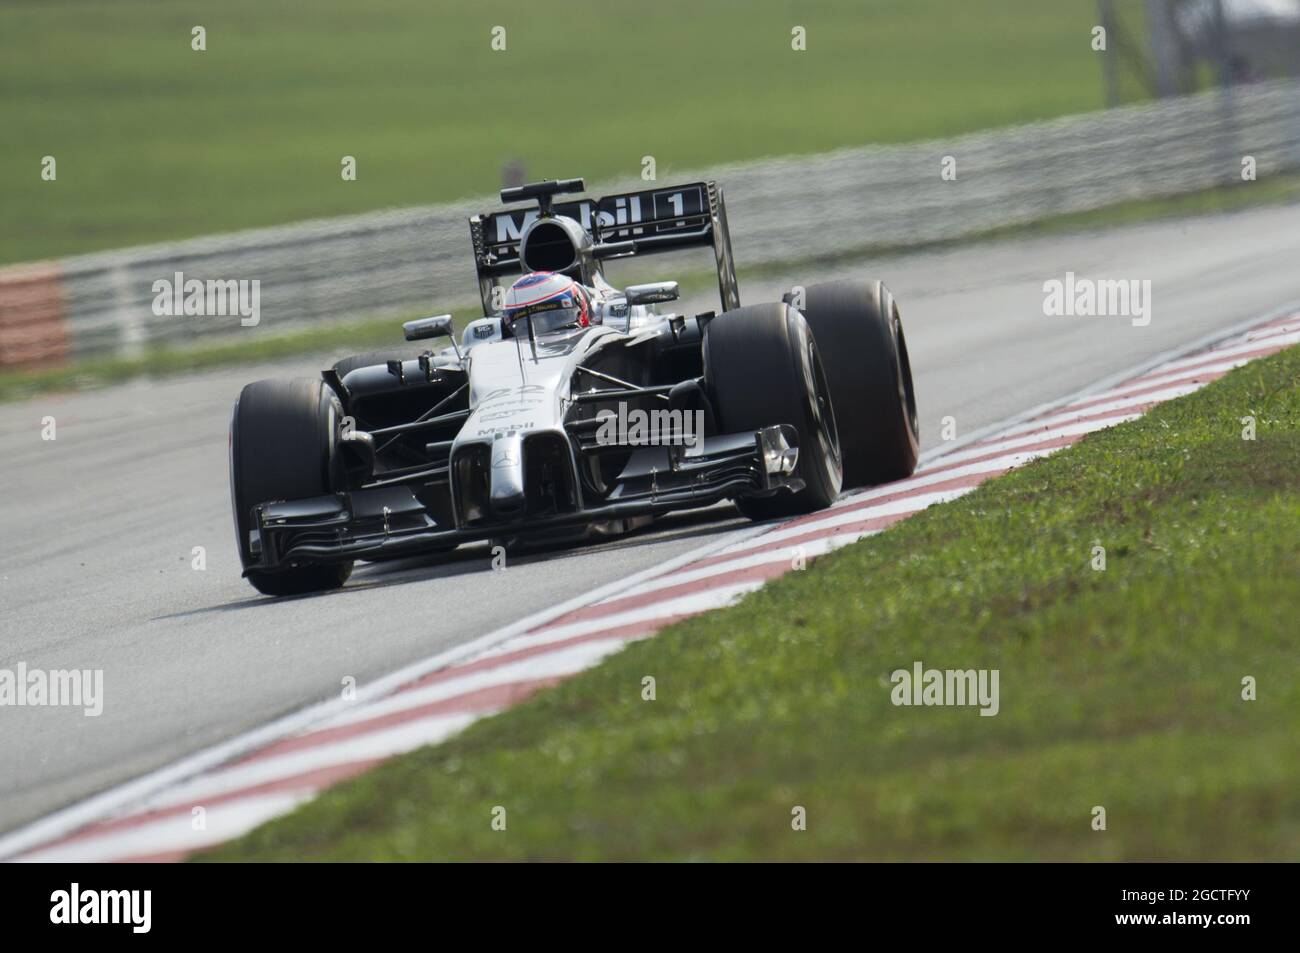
(154, 142)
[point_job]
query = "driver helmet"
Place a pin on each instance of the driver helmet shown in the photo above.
(554, 301)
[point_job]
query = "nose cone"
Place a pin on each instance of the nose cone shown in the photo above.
(506, 495)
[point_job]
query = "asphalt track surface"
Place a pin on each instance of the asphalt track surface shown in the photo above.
(99, 525)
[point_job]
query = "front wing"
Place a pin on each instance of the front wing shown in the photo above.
(388, 522)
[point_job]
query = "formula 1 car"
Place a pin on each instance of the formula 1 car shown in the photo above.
(522, 431)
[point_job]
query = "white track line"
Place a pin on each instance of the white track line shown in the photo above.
(1279, 341)
(1220, 367)
(1110, 406)
(564, 661)
(692, 604)
(1070, 430)
(842, 517)
(223, 822)
(366, 746)
(731, 566)
(929, 477)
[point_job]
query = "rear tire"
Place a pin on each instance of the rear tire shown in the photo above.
(860, 332)
(763, 367)
(284, 446)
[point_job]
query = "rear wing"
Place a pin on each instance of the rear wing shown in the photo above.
(631, 223)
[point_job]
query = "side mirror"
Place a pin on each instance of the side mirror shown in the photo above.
(438, 326)
(652, 293)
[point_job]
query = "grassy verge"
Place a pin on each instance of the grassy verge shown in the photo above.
(154, 140)
(351, 336)
(1119, 688)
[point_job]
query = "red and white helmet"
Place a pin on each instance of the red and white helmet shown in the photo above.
(554, 301)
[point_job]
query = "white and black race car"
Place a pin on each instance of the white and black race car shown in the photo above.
(539, 425)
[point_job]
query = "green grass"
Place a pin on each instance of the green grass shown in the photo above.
(155, 141)
(1119, 688)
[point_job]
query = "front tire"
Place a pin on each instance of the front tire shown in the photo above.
(763, 368)
(858, 326)
(284, 446)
